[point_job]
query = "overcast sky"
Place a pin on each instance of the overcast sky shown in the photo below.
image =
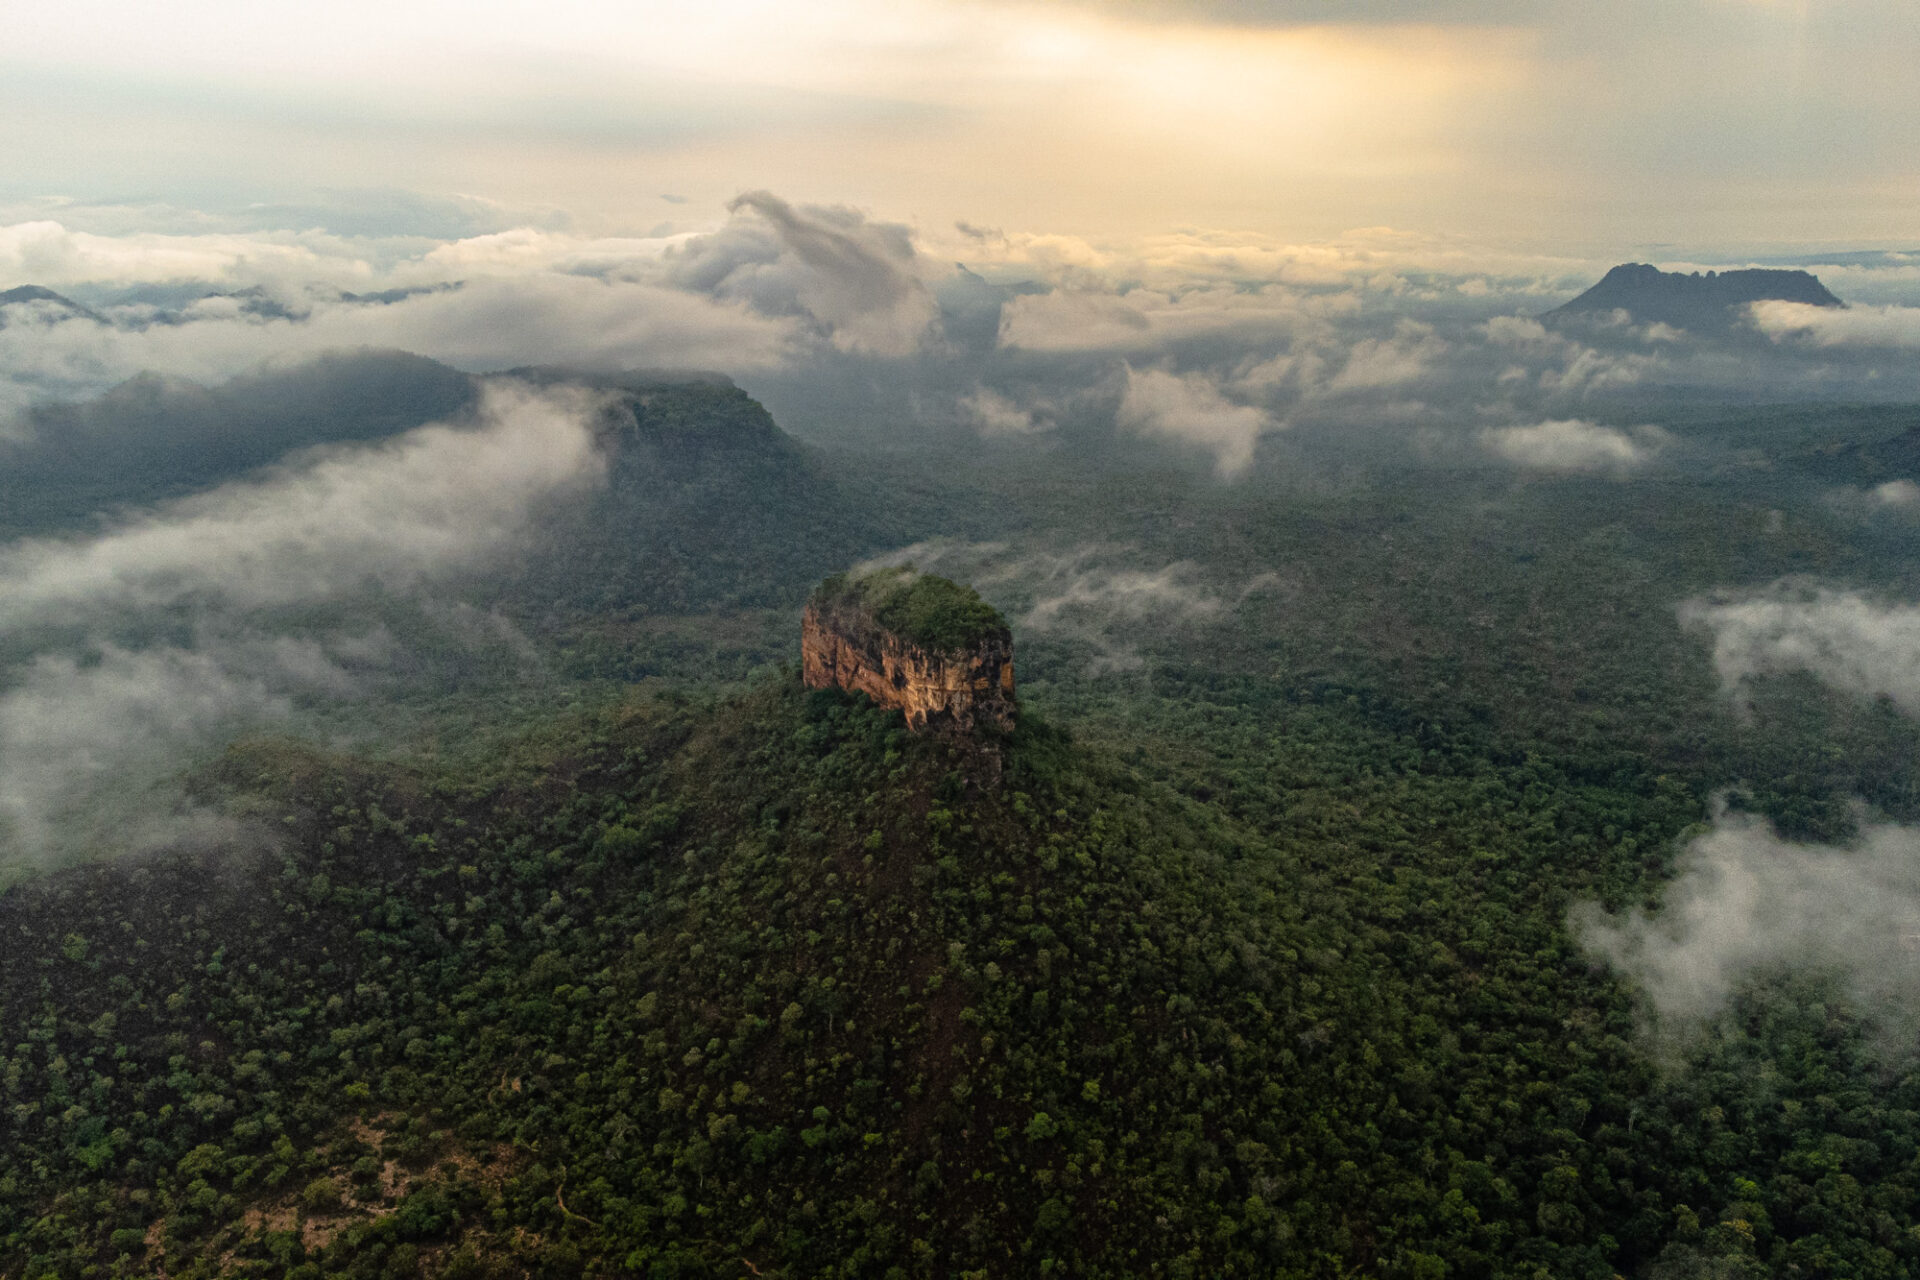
(1635, 128)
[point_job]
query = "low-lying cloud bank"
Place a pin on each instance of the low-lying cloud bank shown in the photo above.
(1192, 410)
(1747, 904)
(850, 324)
(124, 654)
(1571, 446)
(1894, 328)
(437, 499)
(1845, 639)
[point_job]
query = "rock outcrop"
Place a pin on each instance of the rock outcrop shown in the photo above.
(1696, 302)
(924, 645)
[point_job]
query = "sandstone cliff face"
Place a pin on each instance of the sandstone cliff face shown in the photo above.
(956, 690)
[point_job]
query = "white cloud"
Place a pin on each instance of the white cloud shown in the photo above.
(82, 745)
(1109, 607)
(1842, 638)
(92, 731)
(1377, 363)
(1085, 317)
(1746, 902)
(1075, 584)
(1897, 493)
(857, 280)
(491, 324)
(47, 253)
(1572, 445)
(1191, 410)
(437, 499)
(832, 314)
(1895, 327)
(996, 415)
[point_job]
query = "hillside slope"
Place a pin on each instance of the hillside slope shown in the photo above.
(774, 986)
(781, 983)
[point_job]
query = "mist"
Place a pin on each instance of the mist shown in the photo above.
(1845, 639)
(260, 604)
(1747, 904)
(1106, 602)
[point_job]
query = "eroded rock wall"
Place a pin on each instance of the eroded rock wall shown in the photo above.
(958, 690)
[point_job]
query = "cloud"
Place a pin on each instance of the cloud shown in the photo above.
(152, 642)
(1842, 638)
(1107, 607)
(1139, 320)
(1407, 357)
(1889, 500)
(1075, 585)
(996, 415)
(1572, 445)
(856, 279)
(490, 324)
(1064, 321)
(1190, 409)
(437, 499)
(1897, 493)
(1886, 327)
(759, 291)
(1747, 903)
(47, 253)
(1562, 368)
(84, 746)
(846, 322)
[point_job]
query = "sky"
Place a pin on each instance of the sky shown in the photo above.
(1640, 128)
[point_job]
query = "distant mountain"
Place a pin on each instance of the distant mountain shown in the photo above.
(153, 438)
(28, 294)
(707, 502)
(1700, 303)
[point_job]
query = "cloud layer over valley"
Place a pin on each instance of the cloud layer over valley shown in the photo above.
(124, 654)
(851, 326)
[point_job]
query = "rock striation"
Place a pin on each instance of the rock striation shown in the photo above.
(921, 644)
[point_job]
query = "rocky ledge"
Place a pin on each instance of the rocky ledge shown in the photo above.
(923, 644)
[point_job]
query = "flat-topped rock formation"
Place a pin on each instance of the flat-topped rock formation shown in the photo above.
(1696, 302)
(923, 644)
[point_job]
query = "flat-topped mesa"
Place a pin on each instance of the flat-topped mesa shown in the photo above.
(1709, 303)
(926, 645)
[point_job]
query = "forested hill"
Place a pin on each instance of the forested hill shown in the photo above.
(152, 438)
(708, 502)
(772, 986)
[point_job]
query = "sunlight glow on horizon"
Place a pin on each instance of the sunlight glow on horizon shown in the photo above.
(1055, 116)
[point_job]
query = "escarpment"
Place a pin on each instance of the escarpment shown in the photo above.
(919, 643)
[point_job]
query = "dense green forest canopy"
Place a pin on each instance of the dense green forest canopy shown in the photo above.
(920, 608)
(612, 951)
